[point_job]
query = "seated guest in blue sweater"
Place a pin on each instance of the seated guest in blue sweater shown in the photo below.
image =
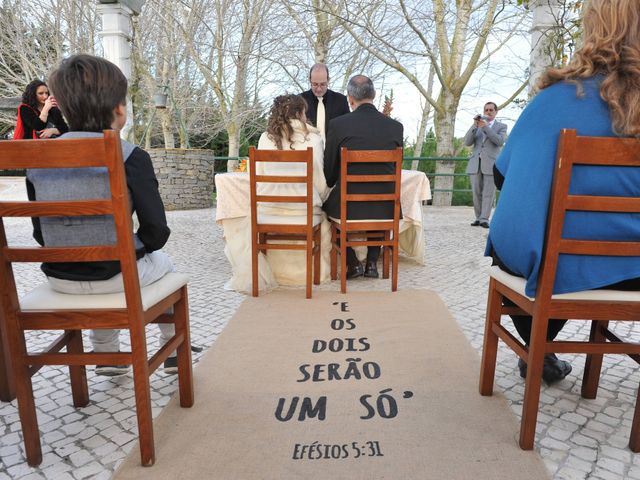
(598, 94)
(92, 94)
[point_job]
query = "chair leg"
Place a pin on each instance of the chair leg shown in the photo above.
(309, 255)
(634, 438)
(185, 373)
(343, 261)
(490, 347)
(26, 403)
(385, 256)
(143, 396)
(7, 387)
(593, 363)
(532, 385)
(334, 253)
(77, 373)
(316, 257)
(394, 268)
(254, 267)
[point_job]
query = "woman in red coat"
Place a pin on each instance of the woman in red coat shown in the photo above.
(38, 114)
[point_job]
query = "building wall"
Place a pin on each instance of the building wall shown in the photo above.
(185, 177)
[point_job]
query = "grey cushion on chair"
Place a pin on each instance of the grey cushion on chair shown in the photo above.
(44, 297)
(518, 283)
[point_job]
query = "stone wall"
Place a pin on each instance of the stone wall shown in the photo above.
(185, 177)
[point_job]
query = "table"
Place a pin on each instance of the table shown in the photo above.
(286, 267)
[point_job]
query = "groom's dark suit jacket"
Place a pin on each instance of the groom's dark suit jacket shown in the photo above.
(335, 104)
(363, 129)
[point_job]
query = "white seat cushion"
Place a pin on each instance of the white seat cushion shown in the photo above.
(518, 283)
(44, 297)
(287, 219)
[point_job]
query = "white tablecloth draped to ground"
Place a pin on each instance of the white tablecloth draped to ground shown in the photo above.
(287, 267)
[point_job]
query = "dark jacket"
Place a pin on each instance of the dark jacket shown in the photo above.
(31, 121)
(78, 183)
(363, 129)
(335, 104)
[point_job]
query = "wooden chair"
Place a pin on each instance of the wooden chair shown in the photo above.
(269, 232)
(45, 309)
(352, 233)
(598, 306)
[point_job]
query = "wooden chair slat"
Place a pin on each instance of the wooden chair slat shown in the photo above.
(156, 360)
(607, 151)
(603, 204)
(277, 230)
(596, 347)
(70, 153)
(370, 178)
(56, 209)
(285, 246)
(593, 247)
(280, 179)
(61, 254)
(72, 319)
(367, 226)
(89, 358)
(374, 156)
(281, 199)
(275, 156)
(372, 197)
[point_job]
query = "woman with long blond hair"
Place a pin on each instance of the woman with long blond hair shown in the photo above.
(597, 94)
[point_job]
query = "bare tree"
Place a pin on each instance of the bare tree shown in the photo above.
(315, 26)
(222, 40)
(455, 39)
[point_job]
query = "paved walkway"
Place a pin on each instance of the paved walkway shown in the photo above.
(578, 439)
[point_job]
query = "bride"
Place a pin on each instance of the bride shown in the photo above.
(287, 129)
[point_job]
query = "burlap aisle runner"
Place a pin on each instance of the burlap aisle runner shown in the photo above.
(360, 386)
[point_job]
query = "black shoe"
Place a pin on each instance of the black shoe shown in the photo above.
(112, 370)
(475, 223)
(553, 369)
(354, 271)
(484, 224)
(171, 365)
(371, 270)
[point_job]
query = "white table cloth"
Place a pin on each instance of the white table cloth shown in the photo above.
(287, 267)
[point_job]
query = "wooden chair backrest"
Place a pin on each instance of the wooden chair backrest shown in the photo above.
(348, 157)
(281, 156)
(595, 151)
(70, 153)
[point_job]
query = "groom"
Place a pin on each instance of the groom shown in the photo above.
(365, 128)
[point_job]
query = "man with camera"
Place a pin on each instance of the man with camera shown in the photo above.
(486, 135)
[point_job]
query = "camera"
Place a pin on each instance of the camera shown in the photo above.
(481, 117)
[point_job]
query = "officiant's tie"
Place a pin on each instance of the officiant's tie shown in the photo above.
(320, 118)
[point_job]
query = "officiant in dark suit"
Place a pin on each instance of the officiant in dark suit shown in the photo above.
(323, 104)
(365, 128)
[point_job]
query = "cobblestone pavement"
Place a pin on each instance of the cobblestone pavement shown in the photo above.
(578, 439)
